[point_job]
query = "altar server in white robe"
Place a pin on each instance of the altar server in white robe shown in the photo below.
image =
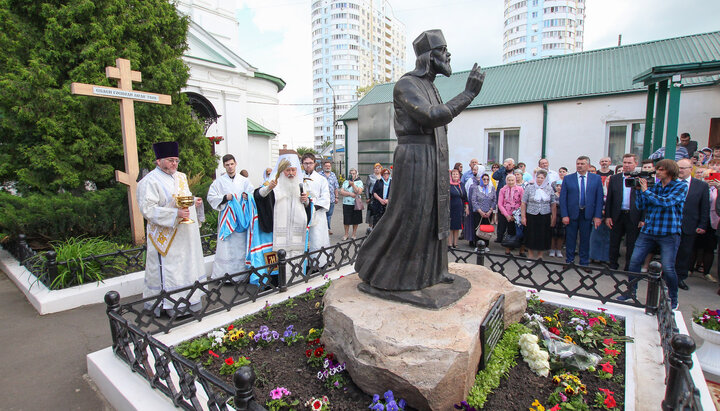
(319, 193)
(231, 250)
(174, 257)
(291, 208)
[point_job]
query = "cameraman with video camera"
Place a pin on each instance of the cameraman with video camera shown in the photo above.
(663, 207)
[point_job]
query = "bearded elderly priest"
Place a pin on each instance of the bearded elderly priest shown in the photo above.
(283, 206)
(318, 191)
(174, 257)
(231, 250)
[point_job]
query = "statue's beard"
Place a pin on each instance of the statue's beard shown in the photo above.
(442, 68)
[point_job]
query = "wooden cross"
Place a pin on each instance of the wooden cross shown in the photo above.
(127, 96)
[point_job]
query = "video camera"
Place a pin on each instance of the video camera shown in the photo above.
(632, 179)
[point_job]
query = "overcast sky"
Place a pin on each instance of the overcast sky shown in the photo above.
(276, 38)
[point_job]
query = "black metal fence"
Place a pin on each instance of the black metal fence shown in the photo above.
(133, 323)
(46, 267)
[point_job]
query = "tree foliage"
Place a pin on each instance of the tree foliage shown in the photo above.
(302, 150)
(51, 139)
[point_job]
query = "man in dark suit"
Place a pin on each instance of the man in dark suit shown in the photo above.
(581, 206)
(621, 213)
(695, 220)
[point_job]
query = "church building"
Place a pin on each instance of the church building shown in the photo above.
(237, 101)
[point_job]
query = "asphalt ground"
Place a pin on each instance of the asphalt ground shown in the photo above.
(42, 359)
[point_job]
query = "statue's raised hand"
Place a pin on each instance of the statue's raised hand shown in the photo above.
(475, 80)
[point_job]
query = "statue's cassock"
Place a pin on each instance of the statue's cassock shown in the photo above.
(408, 250)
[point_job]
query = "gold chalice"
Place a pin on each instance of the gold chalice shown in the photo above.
(185, 202)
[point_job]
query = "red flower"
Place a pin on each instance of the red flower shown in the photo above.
(230, 327)
(605, 391)
(612, 352)
(555, 408)
(612, 317)
(610, 402)
(609, 341)
(229, 361)
(592, 321)
(607, 367)
(330, 357)
(602, 309)
(308, 353)
(213, 354)
(316, 404)
(554, 330)
(319, 351)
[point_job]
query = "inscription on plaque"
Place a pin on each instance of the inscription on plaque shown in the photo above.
(491, 330)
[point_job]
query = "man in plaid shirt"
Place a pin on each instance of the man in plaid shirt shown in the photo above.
(663, 205)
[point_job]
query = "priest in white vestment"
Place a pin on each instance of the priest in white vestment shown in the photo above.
(318, 191)
(291, 208)
(174, 257)
(231, 251)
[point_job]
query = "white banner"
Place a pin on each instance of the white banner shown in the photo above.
(113, 92)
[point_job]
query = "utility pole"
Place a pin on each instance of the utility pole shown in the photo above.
(334, 121)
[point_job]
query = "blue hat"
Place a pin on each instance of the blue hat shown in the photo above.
(165, 149)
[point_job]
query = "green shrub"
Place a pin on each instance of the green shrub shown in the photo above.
(76, 270)
(62, 216)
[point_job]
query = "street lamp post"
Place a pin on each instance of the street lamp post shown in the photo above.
(332, 135)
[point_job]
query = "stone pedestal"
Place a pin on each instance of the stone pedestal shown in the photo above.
(428, 357)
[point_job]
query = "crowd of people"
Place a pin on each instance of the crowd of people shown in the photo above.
(669, 210)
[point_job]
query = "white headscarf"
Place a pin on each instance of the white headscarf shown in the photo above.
(541, 195)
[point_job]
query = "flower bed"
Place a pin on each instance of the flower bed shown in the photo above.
(585, 370)
(293, 369)
(282, 345)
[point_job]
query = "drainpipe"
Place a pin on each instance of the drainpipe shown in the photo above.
(346, 149)
(544, 133)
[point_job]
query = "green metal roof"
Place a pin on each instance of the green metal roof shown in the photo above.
(277, 80)
(586, 74)
(257, 129)
(660, 73)
(199, 50)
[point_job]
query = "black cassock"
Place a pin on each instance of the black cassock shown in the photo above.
(407, 250)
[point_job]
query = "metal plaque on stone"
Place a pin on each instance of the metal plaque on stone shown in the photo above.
(491, 330)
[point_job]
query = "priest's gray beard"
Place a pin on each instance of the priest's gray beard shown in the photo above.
(288, 187)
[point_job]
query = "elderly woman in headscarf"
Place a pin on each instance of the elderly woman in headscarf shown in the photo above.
(482, 199)
(539, 213)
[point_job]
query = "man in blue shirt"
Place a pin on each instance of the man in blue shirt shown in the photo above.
(663, 205)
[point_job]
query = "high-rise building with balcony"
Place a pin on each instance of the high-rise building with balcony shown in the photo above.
(355, 44)
(542, 28)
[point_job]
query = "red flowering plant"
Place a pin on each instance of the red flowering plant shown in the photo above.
(605, 400)
(230, 365)
(708, 318)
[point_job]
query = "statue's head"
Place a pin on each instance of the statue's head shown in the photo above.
(431, 51)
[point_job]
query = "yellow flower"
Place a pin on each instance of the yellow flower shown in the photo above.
(539, 407)
(569, 390)
(556, 379)
(548, 319)
(312, 330)
(317, 304)
(602, 320)
(568, 339)
(251, 334)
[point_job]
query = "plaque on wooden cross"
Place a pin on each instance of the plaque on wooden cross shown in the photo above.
(124, 92)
